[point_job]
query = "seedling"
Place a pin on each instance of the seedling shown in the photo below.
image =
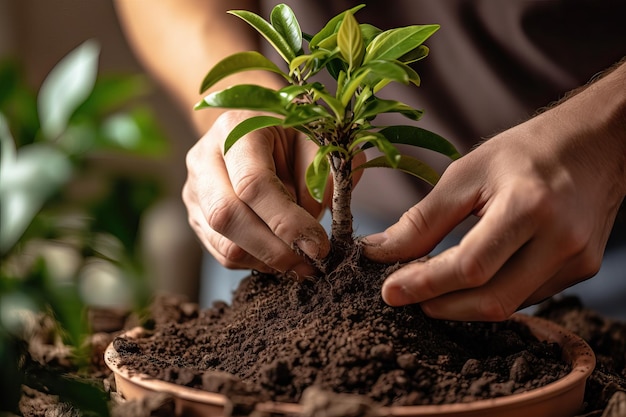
(362, 60)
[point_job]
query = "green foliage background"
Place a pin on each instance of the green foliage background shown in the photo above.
(48, 139)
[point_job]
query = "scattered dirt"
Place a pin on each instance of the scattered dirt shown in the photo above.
(279, 336)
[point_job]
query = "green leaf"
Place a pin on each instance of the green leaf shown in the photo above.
(416, 54)
(316, 176)
(66, 87)
(247, 126)
(291, 92)
(112, 92)
(331, 27)
(369, 32)
(352, 86)
(416, 136)
(383, 145)
(239, 62)
(350, 42)
(133, 131)
(26, 183)
(305, 113)
(247, 96)
(406, 164)
(387, 70)
(285, 22)
(335, 105)
(376, 106)
(268, 31)
(394, 43)
(8, 151)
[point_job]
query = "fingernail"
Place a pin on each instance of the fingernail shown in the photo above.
(396, 293)
(310, 247)
(375, 239)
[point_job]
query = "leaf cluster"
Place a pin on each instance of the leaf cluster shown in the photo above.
(362, 59)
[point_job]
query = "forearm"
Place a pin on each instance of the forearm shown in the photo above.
(178, 41)
(595, 114)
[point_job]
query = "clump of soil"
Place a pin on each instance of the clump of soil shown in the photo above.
(280, 336)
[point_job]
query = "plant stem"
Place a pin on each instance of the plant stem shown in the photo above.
(341, 227)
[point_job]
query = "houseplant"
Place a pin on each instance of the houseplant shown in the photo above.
(302, 333)
(60, 239)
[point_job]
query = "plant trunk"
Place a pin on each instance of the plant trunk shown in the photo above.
(341, 237)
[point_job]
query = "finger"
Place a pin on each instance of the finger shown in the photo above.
(226, 252)
(505, 293)
(481, 253)
(222, 214)
(423, 226)
(256, 184)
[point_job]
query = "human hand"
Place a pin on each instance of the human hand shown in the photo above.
(546, 194)
(250, 207)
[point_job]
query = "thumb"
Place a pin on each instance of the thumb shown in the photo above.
(424, 225)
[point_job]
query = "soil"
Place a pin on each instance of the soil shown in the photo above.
(279, 336)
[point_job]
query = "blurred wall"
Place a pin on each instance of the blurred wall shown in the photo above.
(38, 33)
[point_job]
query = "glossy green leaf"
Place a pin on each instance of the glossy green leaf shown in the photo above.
(415, 55)
(331, 27)
(304, 114)
(246, 96)
(268, 32)
(384, 146)
(335, 105)
(291, 92)
(285, 22)
(369, 32)
(410, 72)
(66, 87)
(316, 176)
(351, 87)
(239, 62)
(390, 70)
(416, 136)
(247, 126)
(350, 41)
(394, 43)
(406, 164)
(377, 106)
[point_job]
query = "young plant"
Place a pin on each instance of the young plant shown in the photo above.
(362, 59)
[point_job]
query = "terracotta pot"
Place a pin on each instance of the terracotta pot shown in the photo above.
(562, 398)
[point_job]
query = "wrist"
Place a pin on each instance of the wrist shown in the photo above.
(596, 113)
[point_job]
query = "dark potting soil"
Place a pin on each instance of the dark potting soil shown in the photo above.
(279, 337)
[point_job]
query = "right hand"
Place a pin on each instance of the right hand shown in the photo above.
(250, 207)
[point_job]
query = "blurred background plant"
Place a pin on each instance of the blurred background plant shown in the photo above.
(69, 236)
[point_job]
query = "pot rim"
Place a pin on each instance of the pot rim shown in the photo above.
(575, 351)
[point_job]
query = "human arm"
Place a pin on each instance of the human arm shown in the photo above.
(546, 193)
(245, 207)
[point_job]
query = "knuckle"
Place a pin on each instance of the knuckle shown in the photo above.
(229, 254)
(221, 215)
(249, 187)
(491, 307)
(472, 271)
(576, 241)
(415, 219)
(233, 255)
